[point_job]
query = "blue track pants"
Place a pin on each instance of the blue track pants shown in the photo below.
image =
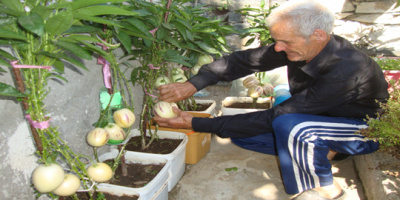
(302, 143)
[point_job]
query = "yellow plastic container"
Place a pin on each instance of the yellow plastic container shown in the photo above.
(198, 144)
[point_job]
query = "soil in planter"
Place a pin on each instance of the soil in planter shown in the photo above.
(201, 107)
(85, 196)
(139, 175)
(249, 105)
(159, 146)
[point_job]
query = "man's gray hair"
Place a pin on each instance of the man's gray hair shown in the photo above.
(304, 16)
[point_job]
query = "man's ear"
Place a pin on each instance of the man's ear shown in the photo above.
(320, 35)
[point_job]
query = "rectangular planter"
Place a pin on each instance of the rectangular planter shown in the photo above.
(176, 159)
(157, 189)
(228, 109)
(210, 110)
(391, 75)
(198, 144)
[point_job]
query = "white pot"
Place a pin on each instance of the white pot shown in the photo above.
(176, 159)
(157, 189)
(234, 111)
(210, 110)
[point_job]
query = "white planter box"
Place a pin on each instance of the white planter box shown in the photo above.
(234, 111)
(210, 110)
(157, 189)
(176, 159)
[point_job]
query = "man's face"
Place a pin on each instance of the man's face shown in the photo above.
(296, 47)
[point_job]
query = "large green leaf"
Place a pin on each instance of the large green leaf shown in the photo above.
(99, 20)
(13, 5)
(43, 11)
(139, 25)
(7, 55)
(10, 12)
(105, 10)
(5, 63)
(63, 56)
(125, 40)
(82, 29)
(4, 33)
(80, 38)
(75, 49)
(8, 90)
(172, 41)
(207, 48)
(83, 3)
(32, 23)
(59, 23)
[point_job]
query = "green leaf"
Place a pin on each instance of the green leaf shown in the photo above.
(58, 66)
(105, 10)
(80, 38)
(8, 90)
(4, 33)
(4, 63)
(63, 57)
(207, 48)
(82, 29)
(33, 23)
(83, 3)
(13, 5)
(75, 49)
(125, 41)
(161, 33)
(11, 12)
(7, 55)
(59, 23)
(43, 11)
(231, 169)
(172, 41)
(99, 20)
(139, 25)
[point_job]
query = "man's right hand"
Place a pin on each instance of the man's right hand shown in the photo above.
(175, 92)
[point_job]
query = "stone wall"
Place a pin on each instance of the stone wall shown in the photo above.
(373, 25)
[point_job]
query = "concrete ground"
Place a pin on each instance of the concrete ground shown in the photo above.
(257, 176)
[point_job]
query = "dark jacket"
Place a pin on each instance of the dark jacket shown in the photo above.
(341, 81)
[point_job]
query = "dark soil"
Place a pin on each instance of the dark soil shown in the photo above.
(249, 105)
(201, 107)
(159, 146)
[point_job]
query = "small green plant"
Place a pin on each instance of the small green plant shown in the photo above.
(257, 30)
(386, 127)
(388, 63)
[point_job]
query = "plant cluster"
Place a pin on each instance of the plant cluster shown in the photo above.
(258, 30)
(43, 34)
(386, 127)
(388, 63)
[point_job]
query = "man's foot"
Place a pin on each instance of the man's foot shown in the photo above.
(323, 193)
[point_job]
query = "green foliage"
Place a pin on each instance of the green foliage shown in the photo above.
(386, 127)
(388, 63)
(257, 30)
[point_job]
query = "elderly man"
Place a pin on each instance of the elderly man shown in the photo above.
(333, 87)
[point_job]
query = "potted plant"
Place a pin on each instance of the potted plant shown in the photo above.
(40, 34)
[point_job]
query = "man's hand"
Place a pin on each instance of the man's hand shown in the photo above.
(183, 120)
(174, 92)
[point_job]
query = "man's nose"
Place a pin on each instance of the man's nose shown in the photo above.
(279, 46)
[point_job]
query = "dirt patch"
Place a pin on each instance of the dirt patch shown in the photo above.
(159, 146)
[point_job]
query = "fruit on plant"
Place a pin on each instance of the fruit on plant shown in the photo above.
(179, 78)
(250, 81)
(115, 132)
(268, 89)
(69, 186)
(161, 80)
(100, 172)
(176, 71)
(124, 118)
(97, 137)
(47, 178)
(255, 91)
(204, 59)
(164, 109)
(195, 69)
